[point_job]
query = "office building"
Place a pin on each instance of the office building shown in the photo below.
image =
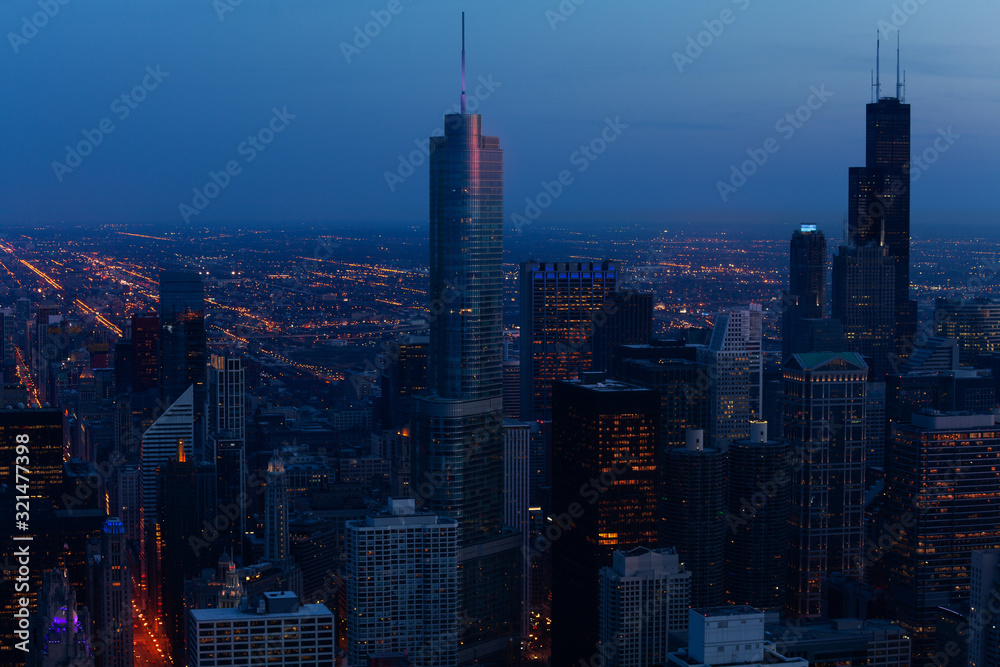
(943, 491)
(145, 348)
(511, 388)
(402, 586)
(806, 295)
(516, 495)
(879, 207)
(560, 304)
(684, 394)
(974, 323)
(626, 318)
(231, 491)
(934, 354)
(695, 515)
(182, 345)
(644, 596)
(984, 608)
(226, 411)
(604, 447)
(875, 423)
(111, 598)
(61, 629)
(824, 423)
(298, 635)
(864, 302)
(276, 511)
(735, 363)
(955, 391)
(40, 431)
(728, 636)
(757, 496)
(457, 463)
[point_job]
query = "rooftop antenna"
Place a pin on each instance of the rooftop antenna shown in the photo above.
(898, 84)
(463, 63)
(903, 88)
(878, 84)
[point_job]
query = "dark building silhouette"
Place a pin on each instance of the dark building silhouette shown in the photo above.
(975, 323)
(39, 432)
(457, 463)
(757, 520)
(943, 492)
(183, 355)
(806, 295)
(560, 304)
(824, 424)
(625, 319)
(145, 352)
(695, 516)
(604, 497)
(864, 303)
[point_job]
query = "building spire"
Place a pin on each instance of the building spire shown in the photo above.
(898, 85)
(878, 83)
(463, 63)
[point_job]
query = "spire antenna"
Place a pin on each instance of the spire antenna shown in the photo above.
(898, 85)
(463, 63)
(878, 84)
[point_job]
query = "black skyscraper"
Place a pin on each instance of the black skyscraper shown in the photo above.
(182, 343)
(806, 296)
(879, 198)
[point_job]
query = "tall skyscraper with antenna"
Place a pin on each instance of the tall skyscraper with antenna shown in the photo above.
(879, 196)
(458, 457)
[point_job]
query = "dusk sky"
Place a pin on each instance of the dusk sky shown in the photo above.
(554, 84)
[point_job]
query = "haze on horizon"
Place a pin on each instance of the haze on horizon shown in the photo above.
(215, 73)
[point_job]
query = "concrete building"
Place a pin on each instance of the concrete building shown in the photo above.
(730, 636)
(402, 586)
(644, 596)
(276, 631)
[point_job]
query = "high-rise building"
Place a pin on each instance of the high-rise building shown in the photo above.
(604, 497)
(975, 323)
(864, 302)
(402, 586)
(457, 463)
(844, 641)
(943, 492)
(226, 412)
(111, 598)
(61, 633)
(231, 491)
(8, 332)
(299, 635)
(560, 304)
(984, 626)
(875, 423)
(145, 352)
(511, 388)
(736, 366)
(824, 424)
(806, 295)
(405, 377)
(276, 511)
(516, 495)
(626, 318)
(757, 520)
(879, 204)
(695, 515)
(934, 354)
(644, 596)
(182, 344)
(37, 435)
(955, 391)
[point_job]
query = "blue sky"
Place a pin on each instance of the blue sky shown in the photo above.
(554, 84)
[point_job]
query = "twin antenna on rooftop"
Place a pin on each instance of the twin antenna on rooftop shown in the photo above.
(876, 83)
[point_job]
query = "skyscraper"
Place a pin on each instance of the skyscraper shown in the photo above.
(943, 493)
(984, 627)
(626, 318)
(604, 497)
(695, 515)
(111, 598)
(182, 344)
(226, 413)
(402, 586)
(644, 596)
(824, 424)
(879, 200)
(757, 520)
(516, 494)
(145, 352)
(864, 302)
(276, 511)
(560, 304)
(40, 432)
(975, 323)
(457, 466)
(735, 361)
(806, 295)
